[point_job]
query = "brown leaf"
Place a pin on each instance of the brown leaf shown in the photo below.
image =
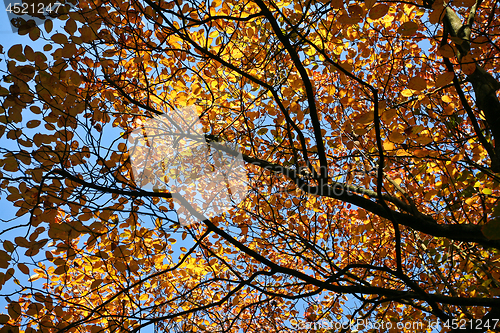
(379, 11)
(408, 29)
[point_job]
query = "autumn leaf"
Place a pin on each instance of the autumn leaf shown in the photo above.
(396, 137)
(492, 229)
(444, 79)
(408, 29)
(465, 3)
(447, 51)
(16, 52)
(378, 11)
(363, 167)
(468, 64)
(417, 83)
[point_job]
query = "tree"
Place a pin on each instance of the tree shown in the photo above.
(370, 138)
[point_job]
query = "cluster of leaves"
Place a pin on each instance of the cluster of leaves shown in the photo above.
(370, 133)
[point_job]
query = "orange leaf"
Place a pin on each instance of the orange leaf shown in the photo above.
(346, 19)
(355, 11)
(61, 270)
(364, 119)
(417, 83)
(70, 26)
(468, 64)
(444, 79)
(120, 266)
(388, 145)
(420, 153)
(388, 115)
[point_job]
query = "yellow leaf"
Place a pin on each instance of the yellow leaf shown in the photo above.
(407, 93)
(446, 99)
(310, 51)
(236, 53)
(34, 277)
(388, 145)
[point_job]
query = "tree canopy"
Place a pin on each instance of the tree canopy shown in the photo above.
(369, 140)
